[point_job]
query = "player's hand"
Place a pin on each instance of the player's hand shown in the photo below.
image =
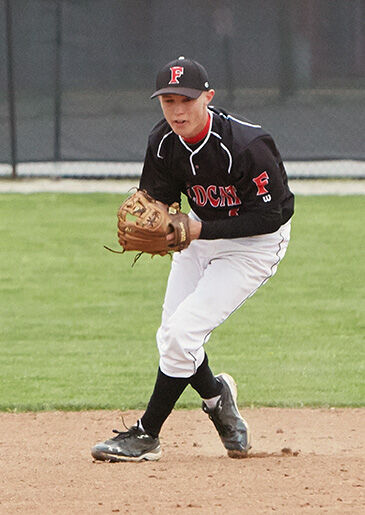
(195, 230)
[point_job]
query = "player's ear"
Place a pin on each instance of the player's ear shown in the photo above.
(209, 95)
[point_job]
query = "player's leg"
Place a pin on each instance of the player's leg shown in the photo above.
(187, 269)
(141, 442)
(228, 278)
(235, 271)
(168, 388)
(227, 282)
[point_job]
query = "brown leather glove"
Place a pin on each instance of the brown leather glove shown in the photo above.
(143, 224)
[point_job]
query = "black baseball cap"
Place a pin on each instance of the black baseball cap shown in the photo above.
(182, 77)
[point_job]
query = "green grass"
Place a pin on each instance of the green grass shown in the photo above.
(77, 323)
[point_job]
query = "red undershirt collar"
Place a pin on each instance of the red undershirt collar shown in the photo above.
(200, 136)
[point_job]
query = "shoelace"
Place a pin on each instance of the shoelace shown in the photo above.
(125, 434)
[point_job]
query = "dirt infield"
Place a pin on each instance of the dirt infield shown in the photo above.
(302, 461)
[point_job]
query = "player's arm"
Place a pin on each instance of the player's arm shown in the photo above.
(263, 190)
(157, 181)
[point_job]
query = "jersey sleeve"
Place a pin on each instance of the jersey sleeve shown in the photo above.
(262, 186)
(263, 181)
(157, 180)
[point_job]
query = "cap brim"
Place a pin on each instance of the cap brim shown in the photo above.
(186, 92)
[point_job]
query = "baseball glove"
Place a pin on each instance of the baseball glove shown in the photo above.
(144, 223)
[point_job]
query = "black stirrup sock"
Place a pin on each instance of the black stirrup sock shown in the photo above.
(204, 381)
(164, 397)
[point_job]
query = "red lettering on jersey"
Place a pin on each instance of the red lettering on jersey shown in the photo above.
(261, 181)
(200, 195)
(176, 72)
(217, 196)
(225, 197)
(210, 191)
(233, 212)
(233, 192)
(228, 196)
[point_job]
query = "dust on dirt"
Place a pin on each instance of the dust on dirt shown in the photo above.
(302, 460)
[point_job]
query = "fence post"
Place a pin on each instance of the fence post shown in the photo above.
(11, 91)
(58, 83)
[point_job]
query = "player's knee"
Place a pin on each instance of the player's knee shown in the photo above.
(173, 341)
(180, 354)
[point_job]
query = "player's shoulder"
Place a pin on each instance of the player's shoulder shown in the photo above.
(236, 127)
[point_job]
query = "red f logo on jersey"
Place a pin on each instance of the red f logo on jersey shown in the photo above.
(176, 72)
(261, 181)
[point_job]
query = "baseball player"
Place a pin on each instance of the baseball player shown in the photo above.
(234, 179)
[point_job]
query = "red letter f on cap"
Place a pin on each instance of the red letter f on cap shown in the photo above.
(176, 72)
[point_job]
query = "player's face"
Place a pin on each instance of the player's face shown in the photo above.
(186, 116)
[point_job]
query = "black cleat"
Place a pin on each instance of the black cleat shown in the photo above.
(232, 428)
(131, 445)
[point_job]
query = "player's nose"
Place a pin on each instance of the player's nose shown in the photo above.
(179, 109)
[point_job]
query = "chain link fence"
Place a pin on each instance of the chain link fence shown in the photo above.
(76, 77)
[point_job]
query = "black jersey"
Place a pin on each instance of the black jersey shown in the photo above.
(234, 178)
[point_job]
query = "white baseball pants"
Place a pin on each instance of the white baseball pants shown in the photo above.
(208, 281)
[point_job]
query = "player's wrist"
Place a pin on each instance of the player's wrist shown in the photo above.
(195, 229)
